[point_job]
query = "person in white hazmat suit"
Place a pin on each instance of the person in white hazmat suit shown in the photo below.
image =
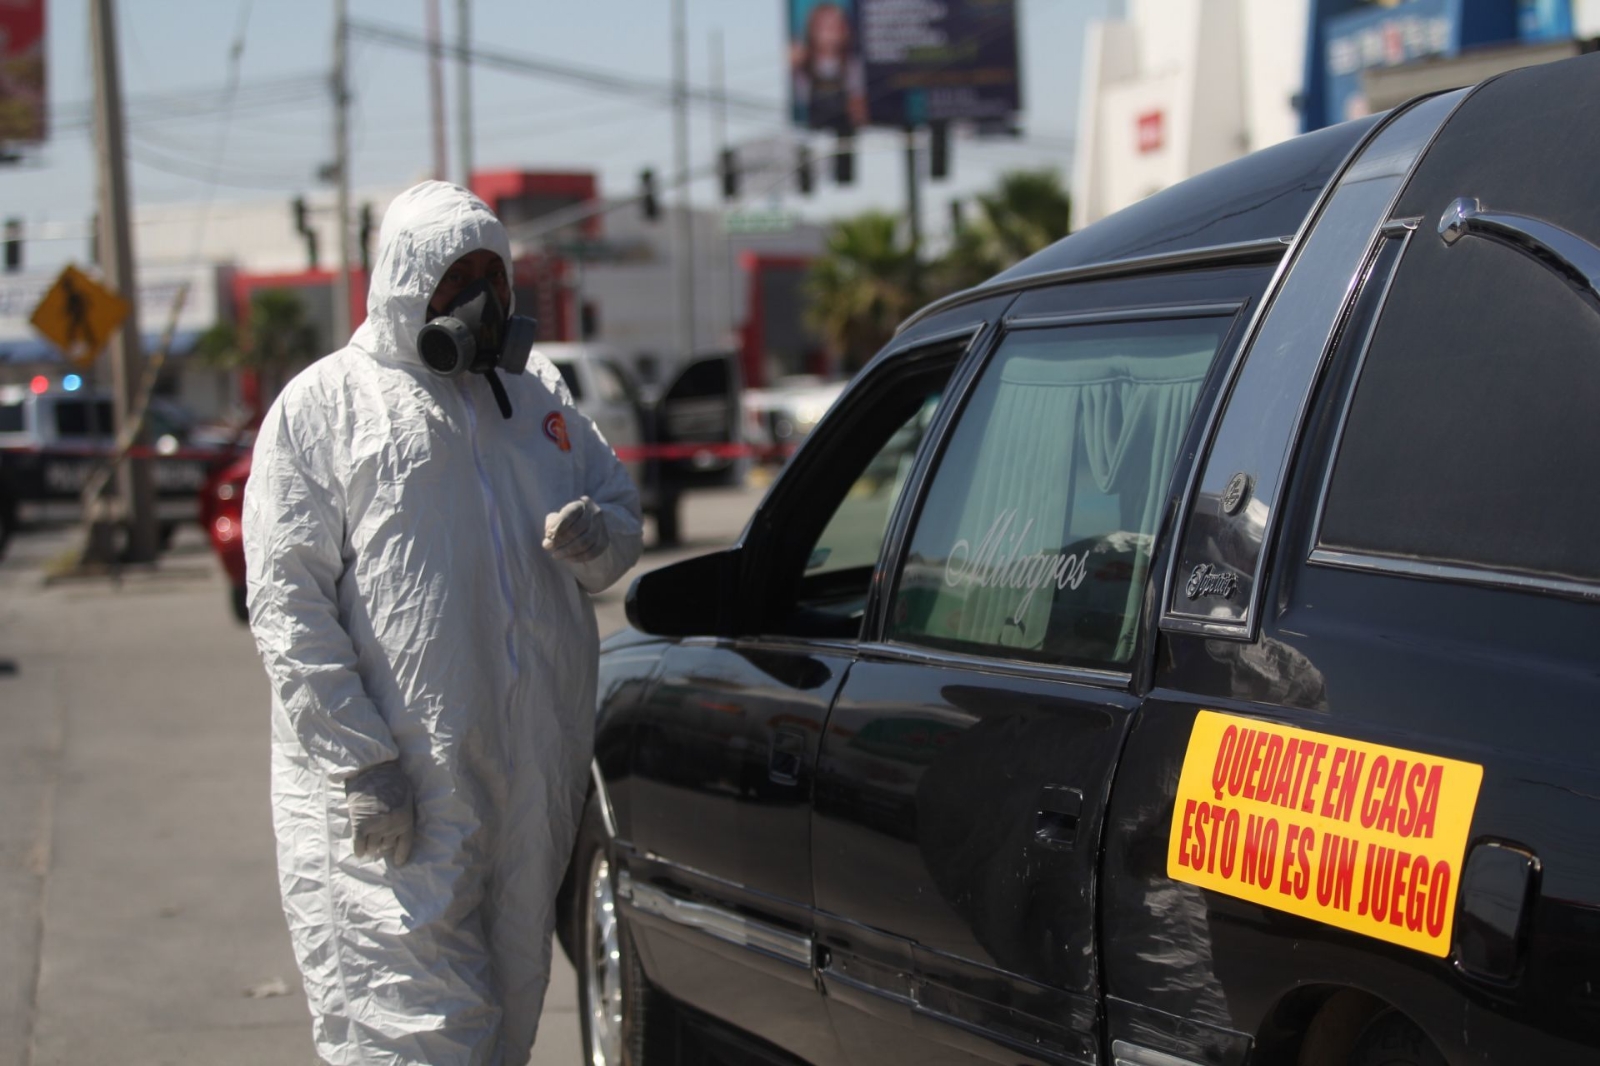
(418, 576)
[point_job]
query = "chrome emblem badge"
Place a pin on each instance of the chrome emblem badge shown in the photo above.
(1208, 580)
(1236, 493)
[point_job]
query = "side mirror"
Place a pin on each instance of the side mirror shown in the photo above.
(694, 598)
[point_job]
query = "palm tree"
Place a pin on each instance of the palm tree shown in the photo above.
(276, 341)
(1028, 211)
(861, 288)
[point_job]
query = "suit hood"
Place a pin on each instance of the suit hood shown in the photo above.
(426, 228)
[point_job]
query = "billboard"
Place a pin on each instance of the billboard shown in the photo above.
(902, 62)
(22, 81)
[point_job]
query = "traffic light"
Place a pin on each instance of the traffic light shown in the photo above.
(939, 151)
(802, 171)
(302, 226)
(13, 245)
(728, 164)
(647, 195)
(844, 160)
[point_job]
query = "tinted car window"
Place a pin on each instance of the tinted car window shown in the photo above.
(1472, 437)
(855, 533)
(1036, 536)
(72, 418)
(569, 374)
(11, 418)
(608, 384)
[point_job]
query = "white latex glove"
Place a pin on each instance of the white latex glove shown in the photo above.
(577, 532)
(383, 814)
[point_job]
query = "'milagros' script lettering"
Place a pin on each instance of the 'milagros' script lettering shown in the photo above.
(999, 563)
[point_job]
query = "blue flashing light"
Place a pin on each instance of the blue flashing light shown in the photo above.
(72, 383)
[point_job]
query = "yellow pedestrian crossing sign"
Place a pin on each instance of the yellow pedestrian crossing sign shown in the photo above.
(78, 315)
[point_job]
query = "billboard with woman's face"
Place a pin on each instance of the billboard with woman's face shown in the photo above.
(827, 79)
(902, 62)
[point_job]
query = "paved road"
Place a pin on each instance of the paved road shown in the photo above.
(139, 918)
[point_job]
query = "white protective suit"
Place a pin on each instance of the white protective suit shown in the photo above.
(405, 608)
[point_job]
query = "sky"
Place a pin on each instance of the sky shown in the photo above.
(187, 144)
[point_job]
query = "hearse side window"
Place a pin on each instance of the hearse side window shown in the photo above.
(854, 535)
(1036, 535)
(1472, 437)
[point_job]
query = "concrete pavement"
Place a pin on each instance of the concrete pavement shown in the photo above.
(139, 916)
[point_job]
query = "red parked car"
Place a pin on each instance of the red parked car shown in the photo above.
(222, 515)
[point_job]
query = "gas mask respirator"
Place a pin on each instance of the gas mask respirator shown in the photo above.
(475, 335)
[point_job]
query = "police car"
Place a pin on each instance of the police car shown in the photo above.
(1181, 649)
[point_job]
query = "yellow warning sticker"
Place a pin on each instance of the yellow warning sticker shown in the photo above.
(1361, 836)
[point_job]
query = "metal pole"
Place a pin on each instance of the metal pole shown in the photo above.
(464, 88)
(719, 87)
(341, 149)
(116, 246)
(683, 254)
(914, 201)
(441, 157)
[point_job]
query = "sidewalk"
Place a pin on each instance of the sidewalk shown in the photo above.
(139, 915)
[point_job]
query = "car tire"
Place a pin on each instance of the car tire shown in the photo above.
(239, 597)
(624, 1020)
(1392, 1039)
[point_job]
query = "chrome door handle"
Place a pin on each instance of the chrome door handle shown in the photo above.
(787, 757)
(1056, 825)
(1562, 251)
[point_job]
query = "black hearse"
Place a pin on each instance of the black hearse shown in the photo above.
(1182, 649)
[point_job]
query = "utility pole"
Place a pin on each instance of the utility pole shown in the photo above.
(683, 253)
(441, 158)
(914, 201)
(464, 88)
(116, 247)
(341, 166)
(719, 87)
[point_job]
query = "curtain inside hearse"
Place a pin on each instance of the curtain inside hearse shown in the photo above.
(1037, 530)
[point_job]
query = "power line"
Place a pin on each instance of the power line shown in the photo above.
(533, 66)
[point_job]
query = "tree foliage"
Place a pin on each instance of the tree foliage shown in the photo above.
(276, 336)
(867, 280)
(861, 288)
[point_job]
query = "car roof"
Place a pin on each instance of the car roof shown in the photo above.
(1261, 198)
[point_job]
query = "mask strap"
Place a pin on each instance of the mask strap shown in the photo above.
(499, 391)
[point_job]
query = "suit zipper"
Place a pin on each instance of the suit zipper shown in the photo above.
(502, 573)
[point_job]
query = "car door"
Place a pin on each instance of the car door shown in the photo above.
(1424, 607)
(725, 748)
(964, 771)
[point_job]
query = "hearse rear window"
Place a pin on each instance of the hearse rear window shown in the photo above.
(1036, 536)
(1472, 438)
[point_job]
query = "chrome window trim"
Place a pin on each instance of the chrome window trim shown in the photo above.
(1559, 250)
(1454, 573)
(902, 344)
(896, 651)
(1350, 395)
(1124, 1053)
(958, 390)
(1242, 251)
(608, 816)
(1155, 313)
(1368, 160)
(716, 922)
